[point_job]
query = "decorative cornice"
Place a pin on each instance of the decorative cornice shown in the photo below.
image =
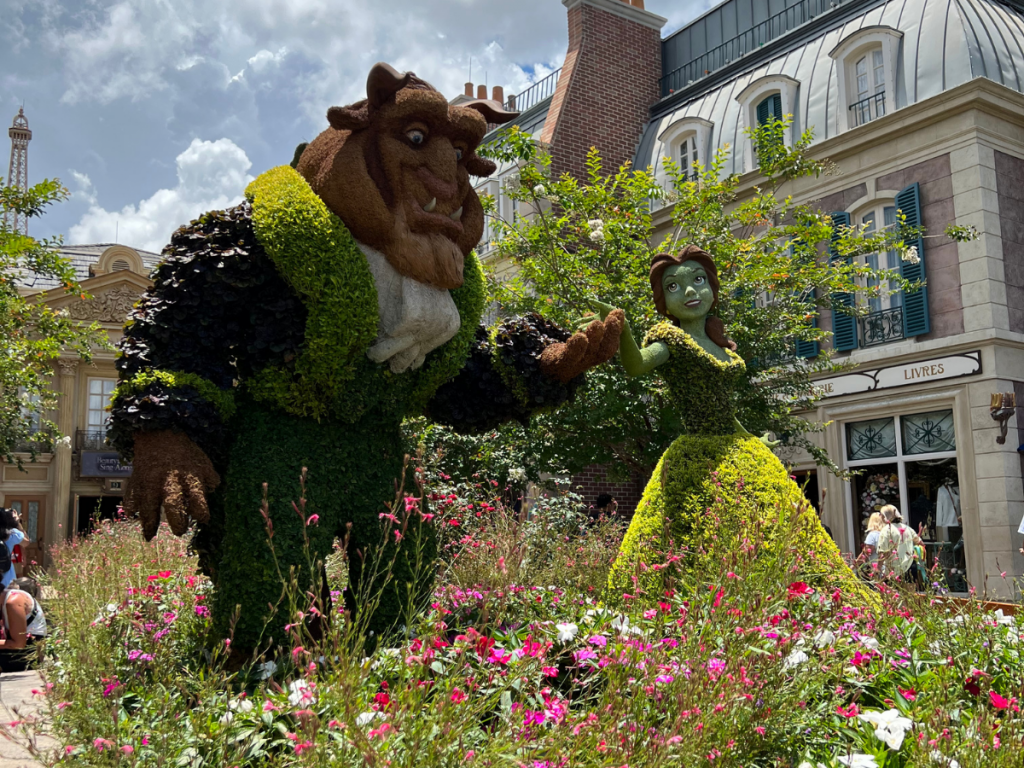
(110, 306)
(623, 10)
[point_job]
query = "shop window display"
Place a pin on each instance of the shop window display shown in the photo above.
(910, 460)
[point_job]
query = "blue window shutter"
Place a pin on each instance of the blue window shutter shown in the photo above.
(776, 99)
(844, 327)
(764, 111)
(916, 318)
(808, 349)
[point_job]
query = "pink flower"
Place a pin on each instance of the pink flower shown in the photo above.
(458, 696)
(303, 747)
(798, 589)
(550, 671)
(102, 744)
(909, 694)
(851, 711)
(312, 520)
(127, 749)
(336, 724)
(160, 576)
(997, 701)
(583, 655)
(269, 706)
(599, 640)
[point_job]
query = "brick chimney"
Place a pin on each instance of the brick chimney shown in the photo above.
(498, 94)
(608, 82)
(481, 91)
(469, 90)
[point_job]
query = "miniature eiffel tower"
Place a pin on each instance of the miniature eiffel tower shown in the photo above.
(17, 174)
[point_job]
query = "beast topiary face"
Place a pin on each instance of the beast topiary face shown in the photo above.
(395, 169)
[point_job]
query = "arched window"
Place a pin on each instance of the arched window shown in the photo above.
(866, 62)
(686, 142)
(766, 98)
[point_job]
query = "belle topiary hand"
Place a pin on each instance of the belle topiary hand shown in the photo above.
(169, 470)
(595, 344)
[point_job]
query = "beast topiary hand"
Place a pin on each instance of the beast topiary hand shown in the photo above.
(595, 344)
(169, 470)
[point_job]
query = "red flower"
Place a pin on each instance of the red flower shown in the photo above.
(909, 694)
(798, 589)
(972, 687)
(850, 711)
(997, 701)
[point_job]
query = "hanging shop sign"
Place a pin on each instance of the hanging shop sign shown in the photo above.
(949, 367)
(103, 464)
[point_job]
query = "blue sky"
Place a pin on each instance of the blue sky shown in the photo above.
(153, 111)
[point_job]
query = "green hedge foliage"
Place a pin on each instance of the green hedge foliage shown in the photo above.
(705, 493)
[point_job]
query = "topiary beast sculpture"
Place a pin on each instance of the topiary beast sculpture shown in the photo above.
(300, 327)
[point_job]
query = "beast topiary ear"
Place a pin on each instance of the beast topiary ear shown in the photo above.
(353, 118)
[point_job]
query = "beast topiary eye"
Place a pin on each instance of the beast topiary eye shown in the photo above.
(458, 153)
(416, 137)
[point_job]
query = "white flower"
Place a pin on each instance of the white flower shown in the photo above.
(301, 692)
(868, 642)
(795, 659)
(241, 705)
(265, 670)
(890, 726)
(597, 236)
(64, 442)
(539, 190)
(595, 224)
(566, 632)
(111, 607)
(940, 758)
(910, 255)
(226, 718)
(366, 718)
(859, 761)
(824, 637)
(517, 473)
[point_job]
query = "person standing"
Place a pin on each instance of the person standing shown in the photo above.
(896, 544)
(11, 535)
(23, 624)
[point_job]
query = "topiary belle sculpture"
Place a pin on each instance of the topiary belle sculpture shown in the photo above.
(715, 457)
(297, 329)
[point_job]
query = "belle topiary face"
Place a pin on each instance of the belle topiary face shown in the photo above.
(688, 292)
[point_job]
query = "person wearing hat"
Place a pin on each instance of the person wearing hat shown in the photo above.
(896, 544)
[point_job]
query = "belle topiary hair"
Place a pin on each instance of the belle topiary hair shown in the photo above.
(713, 326)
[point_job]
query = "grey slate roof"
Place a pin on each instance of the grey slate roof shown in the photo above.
(945, 44)
(81, 257)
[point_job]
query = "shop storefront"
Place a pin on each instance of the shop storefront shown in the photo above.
(919, 435)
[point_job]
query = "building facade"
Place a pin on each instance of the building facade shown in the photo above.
(918, 104)
(59, 492)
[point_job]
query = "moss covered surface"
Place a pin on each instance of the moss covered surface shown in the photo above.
(351, 479)
(706, 494)
(703, 386)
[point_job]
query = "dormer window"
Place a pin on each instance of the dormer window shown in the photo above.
(767, 98)
(685, 142)
(866, 61)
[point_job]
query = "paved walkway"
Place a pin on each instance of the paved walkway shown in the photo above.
(17, 702)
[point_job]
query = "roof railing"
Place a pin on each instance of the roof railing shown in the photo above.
(746, 42)
(531, 97)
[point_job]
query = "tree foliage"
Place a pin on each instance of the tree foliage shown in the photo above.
(780, 262)
(33, 334)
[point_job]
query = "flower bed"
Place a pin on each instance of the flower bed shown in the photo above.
(529, 668)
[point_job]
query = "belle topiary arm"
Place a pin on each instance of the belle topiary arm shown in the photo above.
(503, 379)
(217, 312)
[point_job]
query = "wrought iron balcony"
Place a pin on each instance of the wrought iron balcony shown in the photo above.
(92, 440)
(866, 110)
(881, 327)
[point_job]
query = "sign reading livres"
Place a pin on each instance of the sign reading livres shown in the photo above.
(950, 367)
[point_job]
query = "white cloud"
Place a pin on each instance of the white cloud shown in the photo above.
(211, 175)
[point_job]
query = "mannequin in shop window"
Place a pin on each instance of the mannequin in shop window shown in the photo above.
(948, 517)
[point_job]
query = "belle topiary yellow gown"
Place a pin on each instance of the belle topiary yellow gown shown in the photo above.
(714, 487)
